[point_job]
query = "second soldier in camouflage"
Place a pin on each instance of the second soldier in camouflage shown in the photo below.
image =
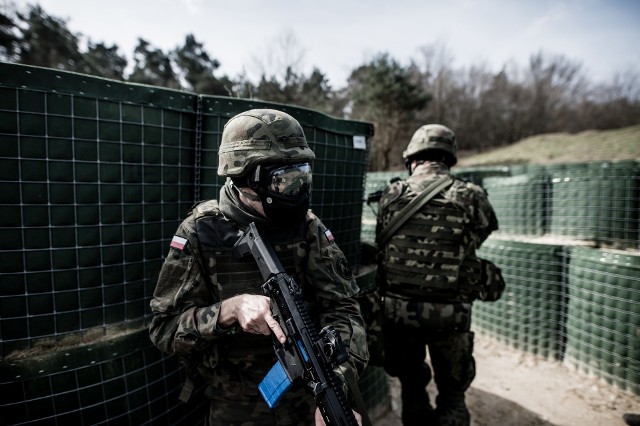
(431, 275)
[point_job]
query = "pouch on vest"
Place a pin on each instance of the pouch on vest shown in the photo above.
(492, 283)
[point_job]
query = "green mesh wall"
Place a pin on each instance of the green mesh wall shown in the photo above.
(94, 177)
(520, 203)
(585, 201)
(530, 314)
(603, 319)
(528, 169)
(375, 181)
(122, 381)
(596, 201)
(478, 174)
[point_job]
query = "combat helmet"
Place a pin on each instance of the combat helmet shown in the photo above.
(436, 138)
(261, 136)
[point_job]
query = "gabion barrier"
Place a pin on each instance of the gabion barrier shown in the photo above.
(603, 316)
(530, 314)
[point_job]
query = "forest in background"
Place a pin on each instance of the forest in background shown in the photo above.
(486, 109)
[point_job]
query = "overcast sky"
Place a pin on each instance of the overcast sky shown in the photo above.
(338, 35)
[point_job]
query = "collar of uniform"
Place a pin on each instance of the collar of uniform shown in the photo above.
(430, 167)
(235, 210)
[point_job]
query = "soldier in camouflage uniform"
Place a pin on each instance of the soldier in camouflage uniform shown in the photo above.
(430, 274)
(208, 305)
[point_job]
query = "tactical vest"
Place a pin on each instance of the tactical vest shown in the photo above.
(431, 257)
(231, 276)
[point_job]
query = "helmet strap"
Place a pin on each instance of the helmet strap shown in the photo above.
(253, 179)
(407, 165)
(409, 162)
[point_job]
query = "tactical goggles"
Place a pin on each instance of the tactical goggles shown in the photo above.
(289, 180)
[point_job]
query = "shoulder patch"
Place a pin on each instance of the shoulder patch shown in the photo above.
(329, 236)
(179, 243)
(343, 268)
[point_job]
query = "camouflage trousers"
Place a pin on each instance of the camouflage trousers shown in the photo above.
(451, 354)
(236, 401)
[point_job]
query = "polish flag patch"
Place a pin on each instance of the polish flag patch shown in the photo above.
(329, 235)
(178, 242)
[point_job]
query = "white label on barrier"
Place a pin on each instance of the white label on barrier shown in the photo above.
(359, 142)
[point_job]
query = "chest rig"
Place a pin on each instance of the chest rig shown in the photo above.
(229, 276)
(431, 257)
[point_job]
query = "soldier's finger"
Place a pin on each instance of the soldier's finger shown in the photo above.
(358, 417)
(275, 328)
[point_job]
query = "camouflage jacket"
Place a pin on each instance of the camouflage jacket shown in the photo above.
(201, 271)
(477, 219)
(467, 195)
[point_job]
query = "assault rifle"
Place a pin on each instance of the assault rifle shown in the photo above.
(306, 355)
(374, 197)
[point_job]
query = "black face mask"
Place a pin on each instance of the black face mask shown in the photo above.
(285, 191)
(284, 210)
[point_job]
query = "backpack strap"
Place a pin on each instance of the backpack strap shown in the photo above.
(414, 205)
(357, 397)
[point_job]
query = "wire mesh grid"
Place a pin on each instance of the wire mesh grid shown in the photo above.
(521, 203)
(589, 317)
(529, 315)
(603, 315)
(91, 190)
(124, 381)
(375, 181)
(339, 177)
(568, 303)
(596, 202)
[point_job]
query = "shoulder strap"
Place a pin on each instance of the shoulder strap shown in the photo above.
(357, 397)
(414, 205)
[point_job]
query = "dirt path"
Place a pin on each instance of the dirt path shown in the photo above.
(514, 388)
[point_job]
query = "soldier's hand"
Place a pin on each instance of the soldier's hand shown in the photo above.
(253, 314)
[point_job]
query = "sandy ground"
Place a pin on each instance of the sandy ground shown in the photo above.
(515, 388)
